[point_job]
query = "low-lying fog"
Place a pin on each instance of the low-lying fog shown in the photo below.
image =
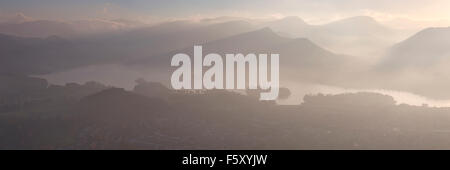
(125, 77)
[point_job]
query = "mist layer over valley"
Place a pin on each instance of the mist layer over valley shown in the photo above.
(309, 55)
(351, 83)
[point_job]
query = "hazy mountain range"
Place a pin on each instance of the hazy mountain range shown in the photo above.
(419, 64)
(310, 53)
(360, 36)
(45, 55)
(427, 47)
(300, 59)
(95, 60)
(24, 26)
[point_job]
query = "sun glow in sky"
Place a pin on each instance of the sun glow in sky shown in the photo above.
(398, 12)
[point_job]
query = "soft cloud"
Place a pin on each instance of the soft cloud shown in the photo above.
(311, 10)
(14, 18)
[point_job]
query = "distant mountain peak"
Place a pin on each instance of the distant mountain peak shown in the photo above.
(295, 19)
(424, 49)
(265, 33)
(436, 33)
(265, 30)
(362, 18)
(288, 21)
(357, 20)
(434, 29)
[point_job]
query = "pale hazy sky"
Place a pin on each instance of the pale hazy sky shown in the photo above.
(313, 10)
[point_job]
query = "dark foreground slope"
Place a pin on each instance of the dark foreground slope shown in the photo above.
(98, 117)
